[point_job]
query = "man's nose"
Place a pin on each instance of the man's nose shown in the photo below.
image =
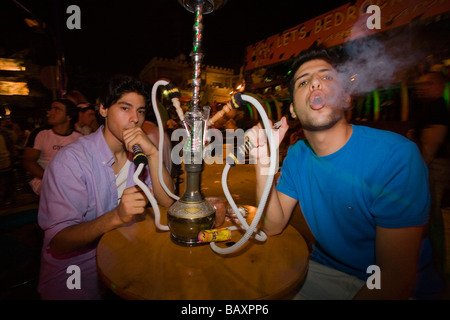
(134, 117)
(315, 83)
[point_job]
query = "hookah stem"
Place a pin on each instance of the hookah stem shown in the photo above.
(197, 55)
(193, 120)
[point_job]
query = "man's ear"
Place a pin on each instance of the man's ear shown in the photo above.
(292, 111)
(68, 116)
(348, 103)
(103, 111)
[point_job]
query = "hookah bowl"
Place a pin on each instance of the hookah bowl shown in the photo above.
(208, 5)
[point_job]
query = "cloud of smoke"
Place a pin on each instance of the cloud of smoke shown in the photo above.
(377, 61)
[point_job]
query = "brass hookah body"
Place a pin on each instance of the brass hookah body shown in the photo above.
(191, 214)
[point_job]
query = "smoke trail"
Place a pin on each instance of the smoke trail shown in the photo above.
(379, 60)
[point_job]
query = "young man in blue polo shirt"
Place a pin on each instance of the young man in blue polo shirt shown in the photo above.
(363, 193)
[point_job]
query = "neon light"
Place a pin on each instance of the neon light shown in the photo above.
(447, 95)
(250, 110)
(376, 105)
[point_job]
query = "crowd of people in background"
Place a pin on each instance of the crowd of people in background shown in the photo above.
(12, 144)
(24, 154)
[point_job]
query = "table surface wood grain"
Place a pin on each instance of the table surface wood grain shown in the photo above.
(139, 261)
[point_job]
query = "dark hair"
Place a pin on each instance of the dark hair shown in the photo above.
(119, 85)
(83, 107)
(71, 110)
(312, 53)
(76, 96)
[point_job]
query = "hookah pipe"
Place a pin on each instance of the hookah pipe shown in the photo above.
(140, 159)
(236, 101)
(191, 201)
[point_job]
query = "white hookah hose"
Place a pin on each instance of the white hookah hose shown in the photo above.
(273, 158)
(261, 236)
(139, 169)
(161, 136)
(150, 197)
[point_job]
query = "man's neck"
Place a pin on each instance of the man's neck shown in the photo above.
(63, 129)
(326, 142)
(117, 148)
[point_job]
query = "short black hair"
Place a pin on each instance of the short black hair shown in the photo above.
(312, 53)
(71, 110)
(119, 85)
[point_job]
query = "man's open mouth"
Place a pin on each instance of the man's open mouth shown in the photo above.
(317, 100)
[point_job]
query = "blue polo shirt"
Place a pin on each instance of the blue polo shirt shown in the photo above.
(378, 178)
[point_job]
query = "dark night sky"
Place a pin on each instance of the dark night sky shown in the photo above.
(123, 35)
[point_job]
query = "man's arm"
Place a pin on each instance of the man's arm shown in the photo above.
(279, 206)
(397, 254)
(431, 138)
(80, 235)
(30, 158)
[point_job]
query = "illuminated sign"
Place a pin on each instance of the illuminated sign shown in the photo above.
(335, 27)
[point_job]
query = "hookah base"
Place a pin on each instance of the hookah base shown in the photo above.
(186, 242)
(185, 232)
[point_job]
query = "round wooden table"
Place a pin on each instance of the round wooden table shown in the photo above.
(140, 262)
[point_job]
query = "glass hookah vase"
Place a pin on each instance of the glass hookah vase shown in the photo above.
(191, 213)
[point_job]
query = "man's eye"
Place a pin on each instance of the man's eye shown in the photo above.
(302, 83)
(328, 77)
(142, 111)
